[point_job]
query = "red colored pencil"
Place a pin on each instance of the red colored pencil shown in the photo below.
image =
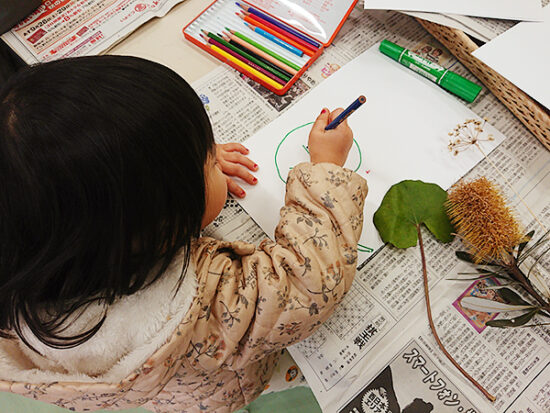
(281, 36)
(244, 59)
(303, 43)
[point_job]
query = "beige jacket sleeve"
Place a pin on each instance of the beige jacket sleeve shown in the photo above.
(259, 300)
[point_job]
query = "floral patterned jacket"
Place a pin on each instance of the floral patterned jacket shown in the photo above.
(251, 302)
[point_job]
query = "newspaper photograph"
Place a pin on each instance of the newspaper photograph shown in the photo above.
(410, 383)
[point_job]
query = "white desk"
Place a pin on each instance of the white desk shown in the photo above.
(161, 40)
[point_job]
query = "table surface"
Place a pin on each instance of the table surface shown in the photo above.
(161, 40)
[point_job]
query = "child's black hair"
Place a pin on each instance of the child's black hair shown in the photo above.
(102, 168)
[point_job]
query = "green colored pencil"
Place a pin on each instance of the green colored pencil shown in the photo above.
(247, 56)
(265, 49)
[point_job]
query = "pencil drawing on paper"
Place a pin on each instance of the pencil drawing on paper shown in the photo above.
(292, 149)
(295, 146)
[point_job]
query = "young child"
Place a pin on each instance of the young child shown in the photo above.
(108, 297)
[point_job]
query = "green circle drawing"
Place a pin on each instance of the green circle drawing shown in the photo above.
(299, 127)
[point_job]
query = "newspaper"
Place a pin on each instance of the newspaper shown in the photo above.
(376, 353)
(70, 28)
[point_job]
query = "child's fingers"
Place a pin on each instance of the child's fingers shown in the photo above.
(322, 121)
(235, 147)
(236, 157)
(234, 169)
(235, 189)
(335, 113)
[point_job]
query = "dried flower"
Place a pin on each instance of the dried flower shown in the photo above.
(467, 134)
(481, 217)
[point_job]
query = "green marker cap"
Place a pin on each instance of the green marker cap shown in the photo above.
(391, 49)
(460, 86)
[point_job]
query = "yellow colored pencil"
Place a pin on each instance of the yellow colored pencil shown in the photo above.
(246, 67)
(261, 53)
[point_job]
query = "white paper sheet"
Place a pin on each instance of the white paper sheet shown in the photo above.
(498, 9)
(478, 27)
(401, 133)
(522, 55)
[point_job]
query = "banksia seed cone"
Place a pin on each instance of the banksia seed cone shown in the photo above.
(481, 217)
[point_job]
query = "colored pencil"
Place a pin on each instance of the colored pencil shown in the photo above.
(245, 60)
(348, 111)
(247, 56)
(279, 36)
(246, 67)
(280, 24)
(304, 45)
(251, 53)
(275, 39)
(252, 49)
(264, 49)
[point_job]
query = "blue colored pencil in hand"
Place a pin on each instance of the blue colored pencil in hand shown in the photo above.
(348, 111)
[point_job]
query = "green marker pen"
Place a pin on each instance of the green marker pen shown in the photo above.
(443, 77)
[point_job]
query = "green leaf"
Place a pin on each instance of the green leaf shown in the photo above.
(534, 247)
(511, 297)
(408, 204)
(489, 306)
(483, 274)
(513, 322)
(464, 256)
(528, 238)
(484, 271)
(500, 287)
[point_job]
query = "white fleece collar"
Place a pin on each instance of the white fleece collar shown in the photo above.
(135, 327)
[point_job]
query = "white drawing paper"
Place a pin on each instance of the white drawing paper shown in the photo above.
(401, 132)
(522, 56)
(498, 9)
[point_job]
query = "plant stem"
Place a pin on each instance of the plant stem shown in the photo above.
(432, 326)
(516, 273)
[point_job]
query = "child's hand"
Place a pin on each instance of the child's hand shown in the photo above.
(332, 145)
(232, 161)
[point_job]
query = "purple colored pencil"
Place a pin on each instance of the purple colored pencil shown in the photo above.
(245, 60)
(279, 24)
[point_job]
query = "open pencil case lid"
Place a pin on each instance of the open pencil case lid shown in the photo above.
(319, 20)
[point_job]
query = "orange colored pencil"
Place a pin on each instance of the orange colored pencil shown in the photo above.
(281, 36)
(260, 53)
(246, 67)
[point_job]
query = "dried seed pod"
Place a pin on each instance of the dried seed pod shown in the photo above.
(488, 227)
